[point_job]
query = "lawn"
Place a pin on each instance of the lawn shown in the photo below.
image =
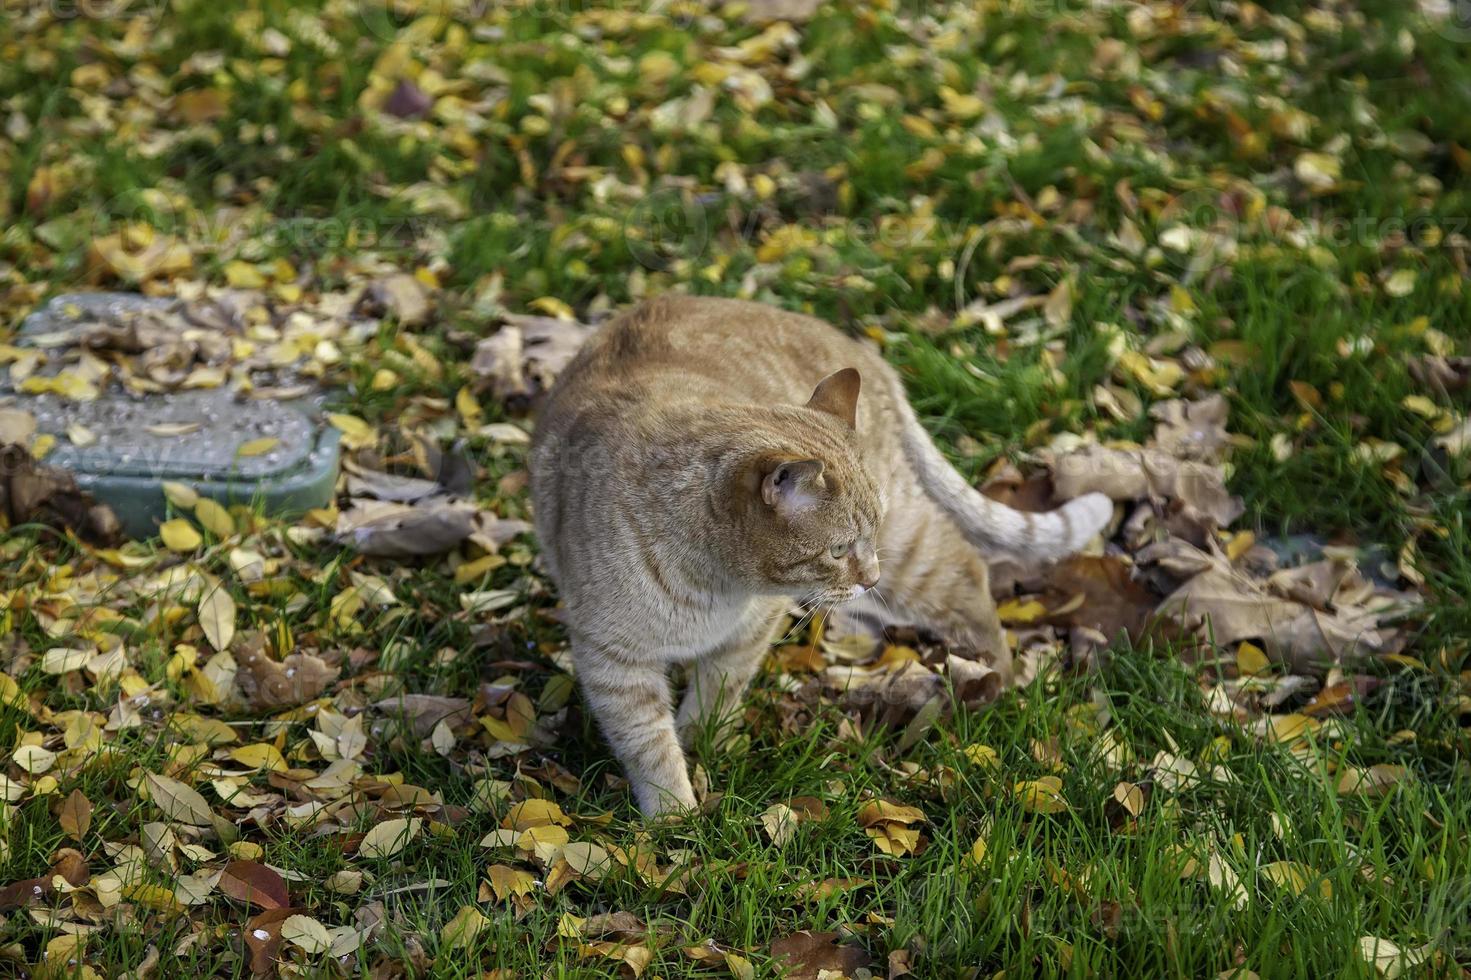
(1054, 217)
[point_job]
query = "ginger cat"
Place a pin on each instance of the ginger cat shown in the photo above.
(699, 465)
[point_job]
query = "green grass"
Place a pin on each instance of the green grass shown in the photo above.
(889, 189)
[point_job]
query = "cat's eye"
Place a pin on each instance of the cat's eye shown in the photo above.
(838, 550)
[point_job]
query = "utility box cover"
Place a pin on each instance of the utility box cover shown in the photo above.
(194, 437)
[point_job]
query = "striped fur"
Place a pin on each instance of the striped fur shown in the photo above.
(701, 464)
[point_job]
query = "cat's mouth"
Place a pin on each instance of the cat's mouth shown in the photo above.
(827, 598)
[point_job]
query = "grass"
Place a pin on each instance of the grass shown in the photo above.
(876, 189)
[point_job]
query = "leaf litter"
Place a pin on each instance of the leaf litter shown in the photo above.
(277, 715)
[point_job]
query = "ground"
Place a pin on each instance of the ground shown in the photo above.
(1052, 215)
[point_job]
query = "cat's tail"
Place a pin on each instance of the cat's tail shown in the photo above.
(989, 523)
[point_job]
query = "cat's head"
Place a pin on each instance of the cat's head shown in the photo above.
(813, 506)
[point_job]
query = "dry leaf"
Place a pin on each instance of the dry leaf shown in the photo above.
(810, 955)
(217, 616)
(179, 535)
(306, 933)
(389, 837)
(178, 801)
(461, 931)
(254, 884)
(75, 815)
(390, 530)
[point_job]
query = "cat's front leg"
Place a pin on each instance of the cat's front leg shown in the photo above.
(717, 681)
(632, 706)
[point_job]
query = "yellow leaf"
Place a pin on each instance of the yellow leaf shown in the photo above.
(260, 755)
(389, 837)
(155, 897)
(1018, 612)
(978, 850)
(1291, 727)
(552, 306)
(1239, 544)
(1421, 406)
(356, 434)
(1388, 959)
(243, 275)
(215, 518)
(461, 931)
(506, 880)
(179, 535)
(1130, 797)
(1251, 660)
(473, 571)
(884, 812)
(1290, 876)
(983, 756)
(256, 447)
(217, 616)
(1373, 781)
(535, 812)
(1401, 283)
(33, 759)
(468, 407)
(1042, 795)
(181, 495)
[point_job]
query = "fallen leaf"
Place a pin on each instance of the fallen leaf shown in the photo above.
(1388, 959)
(179, 535)
(389, 837)
(217, 616)
(254, 884)
(34, 494)
(461, 931)
(522, 358)
(1041, 795)
(390, 530)
(809, 955)
(306, 933)
(177, 801)
(780, 823)
(266, 684)
(75, 815)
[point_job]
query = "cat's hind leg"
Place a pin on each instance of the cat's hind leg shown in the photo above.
(631, 703)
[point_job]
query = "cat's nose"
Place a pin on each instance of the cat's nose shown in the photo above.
(869, 579)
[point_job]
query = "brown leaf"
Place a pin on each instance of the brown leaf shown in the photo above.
(263, 937)
(1112, 602)
(67, 863)
(623, 926)
(75, 815)
(1195, 493)
(1227, 607)
(254, 884)
(424, 711)
(34, 494)
(1032, 494)
(805, 955)
(407, 101)
(266, 684)
(521, 359)
(1192, 430)
(403, 297)
(390, 530)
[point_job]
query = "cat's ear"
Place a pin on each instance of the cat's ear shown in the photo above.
(790, 486)
(837, 395)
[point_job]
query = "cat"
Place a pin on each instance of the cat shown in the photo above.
(702, 463)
